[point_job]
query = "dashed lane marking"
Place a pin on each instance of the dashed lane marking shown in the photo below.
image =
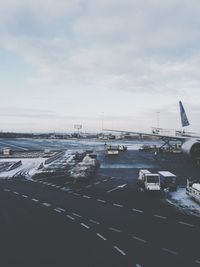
(77, 215)
(61, 209)
(169, 251)
(16, 193)
(139, 239)
(136, 210)
(46, 204)
(84, 225)
(119, 250)
(86, 197)
(25, 196)
(115, 230)
(57, 210)
(6, 190)
(105, 180)
(187, 224)
(100, 236)
(97, 183)
(70, 217)
(88, 186)
(118, 205)
(95, 222)
(197, 261)
(35, 200)
(160, 216)
(77, 194)
(101, 200)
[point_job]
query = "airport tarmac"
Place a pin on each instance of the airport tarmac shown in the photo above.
(104, 221)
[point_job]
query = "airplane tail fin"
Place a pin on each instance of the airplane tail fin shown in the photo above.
(184, 119)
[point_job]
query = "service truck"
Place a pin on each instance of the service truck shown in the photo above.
(150, 182)
(168, 180)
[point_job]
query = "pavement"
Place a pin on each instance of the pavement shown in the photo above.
(101, 222)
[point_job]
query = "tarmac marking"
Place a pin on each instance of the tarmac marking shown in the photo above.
(169, 251)
(61, 209)
(138, 265)
(25, 196)
(119, 250)
(77, 215)
(16, 193)
(197, 261)
(35, 200)
(88, 186)
(6, 190)
(46, 204)
(160, 217)
(139, 239)
(118, 205)
(97, 183)
(105, 180)
(136, 210)
(100, 200)
(8, 144)
(84, 225)
(57, 210)
(86, 197)
(77, 194)
(115, 230)
(58, 186)
(95, 222)
(187, 224)
(102, 237)
(70, 217)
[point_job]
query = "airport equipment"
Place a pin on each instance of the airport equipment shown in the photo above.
(168, 180)
(193, 190)
(111, 151)
(150, 182)
(122, 147)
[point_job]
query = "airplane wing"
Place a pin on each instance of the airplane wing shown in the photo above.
(161, 136)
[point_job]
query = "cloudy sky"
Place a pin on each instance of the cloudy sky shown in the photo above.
(65, 62)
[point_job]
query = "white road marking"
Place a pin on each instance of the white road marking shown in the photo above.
(197, 261)
(57, 210)
(95, 222)
(84, 225)
(88, 186)
(102, 237)
(25, 196)
(77, 194)
(8, 144)
(169, 251)
(105, 180)
(115, 230)
(70, 217)
(119, 250)
(101, 200)
(138, 265)
(118, 205)
(61, 209)
(160, 217)
(77, 215)
(86, 197)
(187, 224)
(46, 204)
(116, 188)
(58, 186)
(139, 239)
(35, 200)
(16, 193)
(97, 183)
(136, 210)
(6, 190)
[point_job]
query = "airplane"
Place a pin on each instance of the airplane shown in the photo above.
(190, 142)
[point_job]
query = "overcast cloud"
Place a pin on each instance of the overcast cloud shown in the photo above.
(121, 58)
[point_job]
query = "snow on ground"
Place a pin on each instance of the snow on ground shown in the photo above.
(184, 202)
(28, 168)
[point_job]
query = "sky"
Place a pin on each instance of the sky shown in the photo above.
(120, 64)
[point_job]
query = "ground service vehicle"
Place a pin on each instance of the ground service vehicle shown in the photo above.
(168, 180)
(150, 182)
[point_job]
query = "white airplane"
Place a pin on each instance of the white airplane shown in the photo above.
(190, 141)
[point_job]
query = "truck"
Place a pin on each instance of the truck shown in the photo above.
(168, 180)
(150, 182)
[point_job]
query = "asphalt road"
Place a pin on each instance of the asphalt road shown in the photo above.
(96, 224)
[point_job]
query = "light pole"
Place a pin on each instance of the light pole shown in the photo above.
(158, 114)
